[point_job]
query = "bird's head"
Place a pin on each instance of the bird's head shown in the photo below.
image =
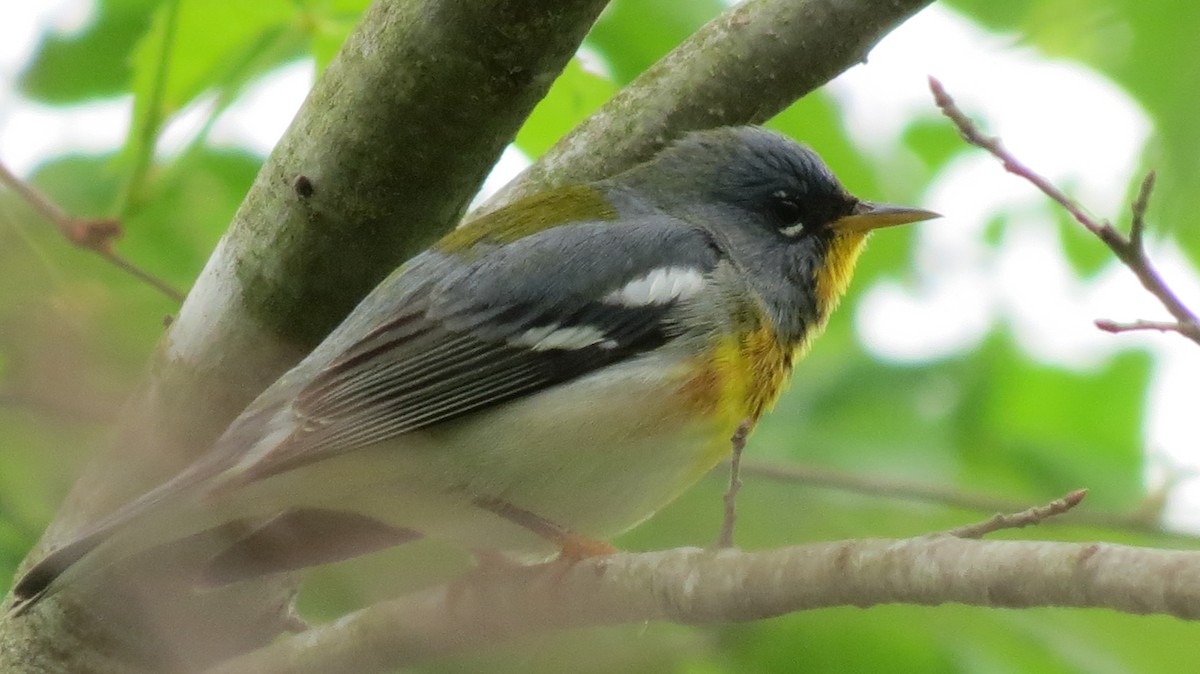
(777, 210)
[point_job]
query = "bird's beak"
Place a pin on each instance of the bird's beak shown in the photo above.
(868, 216)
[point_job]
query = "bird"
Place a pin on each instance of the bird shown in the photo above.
(537, 381)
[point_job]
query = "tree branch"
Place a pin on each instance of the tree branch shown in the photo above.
(1109, 325)
(94, 234)
(743, 67)
(695, 586)
(1129, 250)
(1019, 520)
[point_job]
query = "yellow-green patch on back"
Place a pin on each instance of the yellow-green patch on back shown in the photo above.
(562, 206)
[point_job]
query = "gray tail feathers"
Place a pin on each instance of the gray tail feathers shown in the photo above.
(245, 548)
(46, 576)
(38, 581)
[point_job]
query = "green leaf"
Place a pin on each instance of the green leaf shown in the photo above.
(81, 185)
(90, 64)
(1082, 249)
(193, 48)
(632, 34)
(934, 140)
(213, 46)
(1053, 429)
(576, 94)
(837, 640)
(328, 23)
(175, 230)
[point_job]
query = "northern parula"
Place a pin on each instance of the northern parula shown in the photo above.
(538, 380)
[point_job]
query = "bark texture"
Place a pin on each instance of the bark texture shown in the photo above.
(693, 586)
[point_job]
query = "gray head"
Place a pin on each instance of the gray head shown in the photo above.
(763, 173)
(776, 208)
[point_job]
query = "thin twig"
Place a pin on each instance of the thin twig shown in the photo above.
(139, 273)
(1018, 520)
(735, 484)
(1143, 520)
(94, 234)
(48, 209)
(1129, 250)
(1137, 225)
(1108, 325)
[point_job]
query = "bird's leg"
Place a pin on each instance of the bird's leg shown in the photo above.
(572, 546)
(738, 441)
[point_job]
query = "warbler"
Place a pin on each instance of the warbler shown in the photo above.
(537, 381)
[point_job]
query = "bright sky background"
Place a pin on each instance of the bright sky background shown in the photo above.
(1050, 113)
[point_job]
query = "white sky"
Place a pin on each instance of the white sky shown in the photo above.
(1049, 113)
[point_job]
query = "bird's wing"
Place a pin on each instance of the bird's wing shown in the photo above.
(520, 318)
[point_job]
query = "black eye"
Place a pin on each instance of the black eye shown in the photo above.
(786, 211)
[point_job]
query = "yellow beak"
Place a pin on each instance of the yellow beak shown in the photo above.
(868, 216)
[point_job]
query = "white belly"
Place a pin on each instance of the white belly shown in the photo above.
(595, 456)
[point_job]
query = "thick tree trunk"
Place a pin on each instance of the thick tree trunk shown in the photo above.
(390, 146)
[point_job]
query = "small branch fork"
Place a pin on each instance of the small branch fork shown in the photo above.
(1130, 250)
(94, 234)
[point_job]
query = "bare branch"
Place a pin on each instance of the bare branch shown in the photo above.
(94, 234)
(694, 586)
(974, 136)
(1129, 250)
(1027, 517)
(1108, 325)
(40, 203)
(141, 274)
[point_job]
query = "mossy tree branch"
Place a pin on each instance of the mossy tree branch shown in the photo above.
(744, 67)
(391, 146)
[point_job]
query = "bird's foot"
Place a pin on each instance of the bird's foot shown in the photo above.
(574, 547)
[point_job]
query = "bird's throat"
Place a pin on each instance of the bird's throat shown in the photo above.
(833, 277)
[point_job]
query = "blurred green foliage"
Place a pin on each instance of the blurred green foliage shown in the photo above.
(75, 333)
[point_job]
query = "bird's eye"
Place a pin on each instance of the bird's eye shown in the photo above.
(786, 211)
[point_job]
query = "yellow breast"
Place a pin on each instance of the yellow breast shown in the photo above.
(753, 369)
(744, 374)
(737, 381)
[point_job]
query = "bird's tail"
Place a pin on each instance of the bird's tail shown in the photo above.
(39, 581)
(234, 540)
(153, 519)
